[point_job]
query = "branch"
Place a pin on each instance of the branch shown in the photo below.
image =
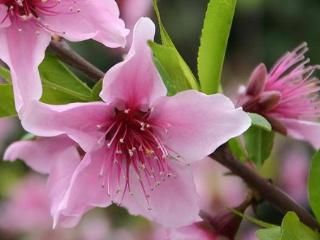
(67, 55)
(267, 190)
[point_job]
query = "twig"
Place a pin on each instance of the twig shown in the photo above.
(267, 190)
(67, 55)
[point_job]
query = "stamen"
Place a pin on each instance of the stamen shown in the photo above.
(137, 152)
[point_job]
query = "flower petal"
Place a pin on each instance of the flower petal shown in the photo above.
(22, 47)
(60, 177)
(85, 191)
(4, 19)
(135, 80)
(303, 130)
(85, 19)
(79, 121)
(197, 123)
(39, 154)
(173, 203)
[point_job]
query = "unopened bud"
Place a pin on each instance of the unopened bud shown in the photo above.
(257, 80)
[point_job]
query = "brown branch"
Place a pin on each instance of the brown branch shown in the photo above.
(267, 190)
(67, 55)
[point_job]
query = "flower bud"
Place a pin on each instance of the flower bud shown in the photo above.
(257, 80)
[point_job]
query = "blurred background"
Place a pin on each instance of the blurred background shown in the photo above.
(262, 31)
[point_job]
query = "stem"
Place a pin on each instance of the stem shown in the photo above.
(267, 190)
(67, 55)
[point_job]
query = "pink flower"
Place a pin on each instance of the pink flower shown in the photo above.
(26, 27)
(294, 173)
(138, 141)
(286, 96)
(28, 208)
(196, 231)
(216, 189)
(131, 11)
(27, 212)
(57, 156)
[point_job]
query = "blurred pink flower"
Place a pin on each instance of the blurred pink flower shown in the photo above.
(26, 27)
(27, 212)
(57, 156)
(294, 174)
(138, 141)
(287, 96)
(216, 189)
(27, 208)
(196, 231)
(132, 10)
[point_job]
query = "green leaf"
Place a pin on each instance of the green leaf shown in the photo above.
(52, 95)
(214, 40)
(258, 144)
(273, 233)
(293, 229)
(5, 74)
(56, 76)
(96, 91)
(259, 121)
(7, 108)
(237, 149)
(165, 38)
(314, 185)
(168, 50)
(171, 68)
(253, 220)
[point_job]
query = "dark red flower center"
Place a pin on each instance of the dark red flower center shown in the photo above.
(137, 152)
(26, 9)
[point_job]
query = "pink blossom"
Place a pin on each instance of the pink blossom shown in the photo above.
(56, 156)
(216, 189)
(132, 10)
(294, 174)
(26, 27)
(27, 212)
(196, 231)
(28, 208)
(286, 96)
(138, 141)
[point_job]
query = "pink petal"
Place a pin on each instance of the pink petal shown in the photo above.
(60, 177)
(197, 123)
(85, 191)
(79, 121)
(88, 19)
(4, 20)
(303, 130)
(40, 154)
(135, 80)
(22, 47)
(174, 203)
(132, 10)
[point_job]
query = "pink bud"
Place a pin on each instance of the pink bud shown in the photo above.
(257, 80)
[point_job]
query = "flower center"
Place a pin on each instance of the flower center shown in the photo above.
(137, 152)
(26, 9)
(37, 10)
